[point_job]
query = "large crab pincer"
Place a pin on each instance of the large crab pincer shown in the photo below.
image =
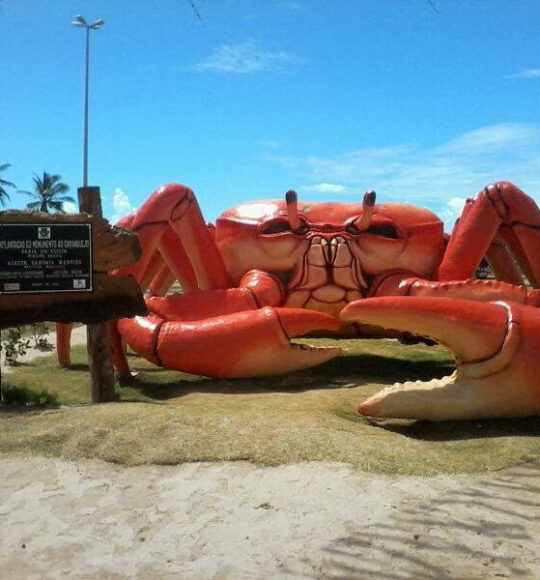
(248, 343)
(496, 347)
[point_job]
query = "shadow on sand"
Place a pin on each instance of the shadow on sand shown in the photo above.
(471, 531)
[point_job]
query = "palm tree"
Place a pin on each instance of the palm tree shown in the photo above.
(49, 194)
(3, 184)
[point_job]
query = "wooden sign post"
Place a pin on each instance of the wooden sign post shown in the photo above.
(54, 268)
(62, 277)
(98, 341)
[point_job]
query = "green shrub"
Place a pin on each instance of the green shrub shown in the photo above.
(14, 345)
(24, 396)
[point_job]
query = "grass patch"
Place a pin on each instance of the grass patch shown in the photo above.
(20, 396)
(168, 417)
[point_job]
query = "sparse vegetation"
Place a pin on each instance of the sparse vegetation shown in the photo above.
(14, 345)
(15, 342)
(26, 397)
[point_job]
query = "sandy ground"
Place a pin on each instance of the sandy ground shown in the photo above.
(236, 521)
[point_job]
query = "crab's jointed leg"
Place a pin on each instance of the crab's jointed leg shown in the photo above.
(63, 340)
(480, 290)
(501, 223)
(501, 212)
(172, 232)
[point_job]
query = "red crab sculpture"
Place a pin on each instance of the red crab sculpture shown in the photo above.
(269, 271)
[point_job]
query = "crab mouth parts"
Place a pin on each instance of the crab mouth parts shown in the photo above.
(328, 268)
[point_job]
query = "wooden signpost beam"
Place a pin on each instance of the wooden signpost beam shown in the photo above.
(102, 381)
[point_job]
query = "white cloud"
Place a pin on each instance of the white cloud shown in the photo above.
(528, 73)
(432, 177)
(450, 213)
(351, 166)
(246, 58)
(326, 188)
(70, 207)
(494, 138)
(121, 205)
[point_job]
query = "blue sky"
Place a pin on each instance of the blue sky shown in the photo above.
(422, 102)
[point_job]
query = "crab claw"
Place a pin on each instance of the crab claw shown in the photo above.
(235, 345)
(496, 347)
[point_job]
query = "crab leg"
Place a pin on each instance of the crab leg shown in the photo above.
(502, 263)
(118, 351)
(162, 281)
(240, 344)
(171, 228)
(503, 209)
(481, 290)
(146, 274)
(177, 261)
(63, 339)
(496, 347)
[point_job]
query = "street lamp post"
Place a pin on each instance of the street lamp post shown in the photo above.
(80, 21)
(98, 338)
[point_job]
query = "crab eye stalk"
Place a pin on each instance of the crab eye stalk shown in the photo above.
(291, 198)
(368, 207)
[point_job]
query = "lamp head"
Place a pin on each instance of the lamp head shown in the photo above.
(80, 21)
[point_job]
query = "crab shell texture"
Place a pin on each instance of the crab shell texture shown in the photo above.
(328, 262)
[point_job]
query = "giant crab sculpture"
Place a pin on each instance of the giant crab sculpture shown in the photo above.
(269, 271)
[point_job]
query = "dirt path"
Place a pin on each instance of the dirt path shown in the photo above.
(237, 521)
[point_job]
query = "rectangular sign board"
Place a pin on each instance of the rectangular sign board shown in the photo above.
(45, 257)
